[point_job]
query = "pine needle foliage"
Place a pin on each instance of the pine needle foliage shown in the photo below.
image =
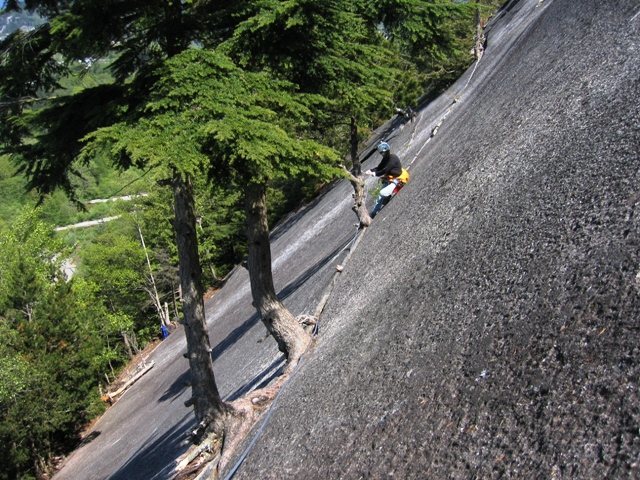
(51, 345)
(208, 115)
(28, 67)
(426, 30)
(52, 140)
(327, 48)
(436, 35)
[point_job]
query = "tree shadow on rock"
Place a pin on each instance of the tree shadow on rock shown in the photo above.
(155, 459)
(184, 380)
(293, 218)
(177, 387)
(293, 286)
(89, 438)
(235, 335)
(261, 380)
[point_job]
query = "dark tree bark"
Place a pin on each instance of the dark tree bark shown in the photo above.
(209, 408)
(287, 331)
(356, 166)
(127, 344)
(359, 206)
(478, 48)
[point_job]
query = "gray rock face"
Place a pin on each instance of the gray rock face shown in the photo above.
(488, 324)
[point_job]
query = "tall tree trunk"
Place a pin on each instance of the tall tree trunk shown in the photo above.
(207, 404)
(127, 344)
(173, 27)
(357, 182)
(166, 314)
(478, 48)
(155, 298)
(287, 331)
(174, 294)
(356, 166)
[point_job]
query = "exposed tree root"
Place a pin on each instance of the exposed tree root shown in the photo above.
(247, 411)
(308, 322)
(197, 456)
(210, 457)
(217, 442)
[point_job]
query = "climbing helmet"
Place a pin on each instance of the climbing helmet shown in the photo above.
(383, 147)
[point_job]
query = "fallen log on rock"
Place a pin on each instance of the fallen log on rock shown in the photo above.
(112, 396)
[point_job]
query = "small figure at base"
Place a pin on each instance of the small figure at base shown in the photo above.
(164, 332)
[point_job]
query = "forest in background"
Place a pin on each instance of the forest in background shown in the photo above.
(62, 339)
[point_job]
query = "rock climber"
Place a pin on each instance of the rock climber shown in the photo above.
(391, 174)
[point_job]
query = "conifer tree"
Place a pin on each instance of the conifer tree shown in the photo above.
(245, 137)
(45, 132)
(328, 48)
(434, 34)
(50, 350)
(207, 115)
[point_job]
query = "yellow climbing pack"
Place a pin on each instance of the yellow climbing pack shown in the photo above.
(402, 178)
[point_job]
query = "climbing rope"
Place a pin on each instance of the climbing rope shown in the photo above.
(442, 119)
(231, 473)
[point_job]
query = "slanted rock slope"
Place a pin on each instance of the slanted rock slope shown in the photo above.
(488, 324)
